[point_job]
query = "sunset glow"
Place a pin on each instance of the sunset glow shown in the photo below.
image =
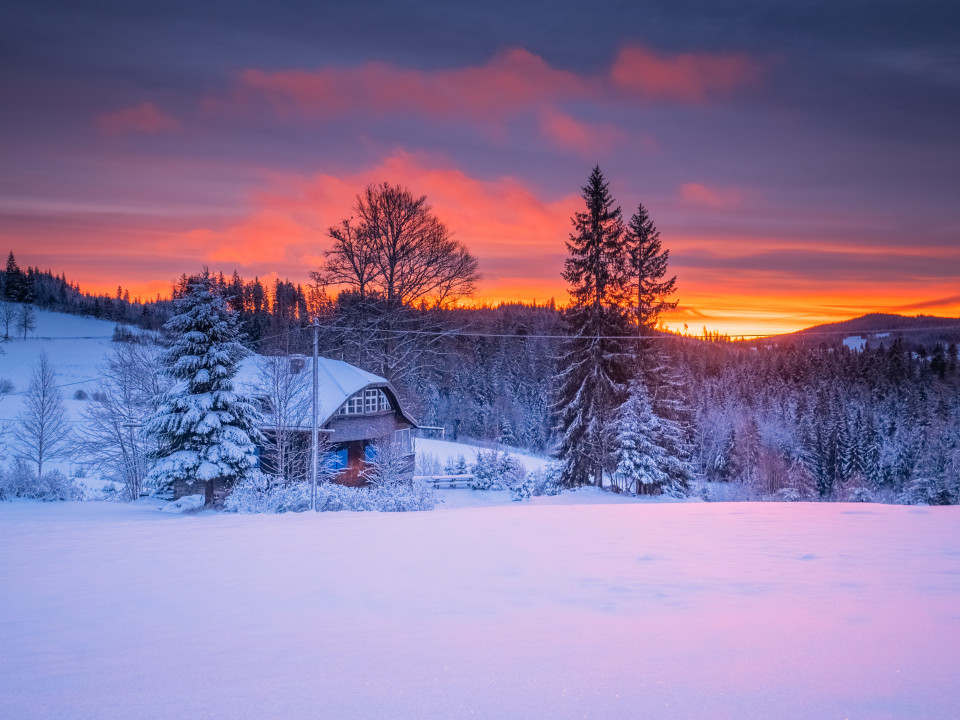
(780, 205)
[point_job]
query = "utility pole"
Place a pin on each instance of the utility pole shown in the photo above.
(314, 449)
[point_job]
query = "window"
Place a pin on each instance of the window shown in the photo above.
(338, 459)
(370, 400)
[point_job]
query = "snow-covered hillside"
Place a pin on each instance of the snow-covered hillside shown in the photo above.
(702, 610)
(75, 345)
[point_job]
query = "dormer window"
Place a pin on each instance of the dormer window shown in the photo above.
(366, 401)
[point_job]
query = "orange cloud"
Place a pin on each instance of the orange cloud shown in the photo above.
(143, 118)
(512, 80)
(583, 138)
(518, 237)
(688, 77)
(713, 197)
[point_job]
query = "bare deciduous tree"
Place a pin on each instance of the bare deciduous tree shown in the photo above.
(394, 261)
(111, 435)
(284, 382)
(397, 248)
(44, 431)
(8, 316)
(391, 464)
(26, 319)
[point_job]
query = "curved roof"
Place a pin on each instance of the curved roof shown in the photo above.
(337, 380)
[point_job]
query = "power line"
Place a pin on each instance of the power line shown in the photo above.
(800, 334)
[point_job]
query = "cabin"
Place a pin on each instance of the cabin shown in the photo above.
(358, 412)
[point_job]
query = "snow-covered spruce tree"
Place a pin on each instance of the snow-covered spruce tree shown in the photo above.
(204, 429)
(648, 291)
(639, 459)
(593, 368)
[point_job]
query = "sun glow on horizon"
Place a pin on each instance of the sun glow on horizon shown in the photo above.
(730, 314)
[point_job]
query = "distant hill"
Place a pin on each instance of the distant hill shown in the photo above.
(877, 328)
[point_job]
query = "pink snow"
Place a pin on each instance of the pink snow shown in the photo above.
(522, 611)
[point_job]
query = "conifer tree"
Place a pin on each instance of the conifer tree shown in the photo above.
(593, 369)
(646, 283)
(205, 430)
(15, 281)
(648, 291)
(639, 459)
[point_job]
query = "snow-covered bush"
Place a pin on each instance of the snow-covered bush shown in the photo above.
(860, 494)
(523, 490)
(21, 481)
(787, 495)
(185, 504)
(927, 489)
(260, 493)
(542, 481)
(456, 466)
(402, 497)
(332, 497)
(496, 470)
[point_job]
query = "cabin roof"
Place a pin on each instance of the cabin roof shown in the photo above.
(337, 381)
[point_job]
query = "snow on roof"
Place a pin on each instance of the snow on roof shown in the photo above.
(337, 380)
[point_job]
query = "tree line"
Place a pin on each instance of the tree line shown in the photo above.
(620, 403)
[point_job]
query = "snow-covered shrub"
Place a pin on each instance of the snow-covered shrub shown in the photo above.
(523, 490)
(262, 493)
(787, 495)
(542, 481)
(860, 494)
(928, 489)
(496, 470)
(108, 492)
(402, 497)
(332, 497)
(21, 481)
(456, 466)
(186, 504)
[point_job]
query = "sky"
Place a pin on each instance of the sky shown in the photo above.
(801, 160)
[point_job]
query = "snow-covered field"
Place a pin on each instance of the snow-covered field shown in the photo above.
(75, 345)
(700, 610)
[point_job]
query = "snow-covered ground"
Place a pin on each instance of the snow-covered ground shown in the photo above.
(700, 610)
(76, 347)
(444, 450)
